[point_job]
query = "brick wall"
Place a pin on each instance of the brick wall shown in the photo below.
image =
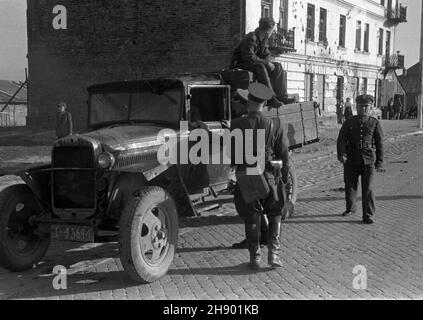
(117, 40)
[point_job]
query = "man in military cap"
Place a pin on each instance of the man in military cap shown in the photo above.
(276, 148)
(63, 121)
(253, 54)
(360, 149)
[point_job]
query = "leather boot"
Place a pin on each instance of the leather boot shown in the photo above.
(264, 231)
(253, 245)
(274, 242)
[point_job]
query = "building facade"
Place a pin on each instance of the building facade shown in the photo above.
(342, 48)
(332, 49)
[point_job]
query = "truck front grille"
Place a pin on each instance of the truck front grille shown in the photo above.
(73, 188)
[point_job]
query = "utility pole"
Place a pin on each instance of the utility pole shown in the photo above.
(419, 112)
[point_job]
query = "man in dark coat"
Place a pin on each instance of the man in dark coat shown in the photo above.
(253, 54)
(276, 148)
(63, 121)
(360, 149)
(397, 108)
(348, 113)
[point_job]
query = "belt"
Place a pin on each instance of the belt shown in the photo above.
(361, 145)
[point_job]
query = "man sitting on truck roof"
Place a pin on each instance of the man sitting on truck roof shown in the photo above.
(253, 54)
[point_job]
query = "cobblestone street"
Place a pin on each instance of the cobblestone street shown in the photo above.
(320, 248)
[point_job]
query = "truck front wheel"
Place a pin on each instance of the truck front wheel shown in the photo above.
(20, 245)
(148, 234)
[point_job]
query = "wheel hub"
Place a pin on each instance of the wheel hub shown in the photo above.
(159, 237)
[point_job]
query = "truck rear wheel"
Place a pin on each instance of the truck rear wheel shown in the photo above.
(148, 234)
(20, 245)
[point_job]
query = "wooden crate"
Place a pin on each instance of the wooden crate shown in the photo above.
(299, 121)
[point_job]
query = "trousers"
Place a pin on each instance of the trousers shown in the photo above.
(275, 80)
(351, 175)
(250, 212)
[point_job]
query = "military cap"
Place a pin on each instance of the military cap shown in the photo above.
(365, 99)
(256, 92)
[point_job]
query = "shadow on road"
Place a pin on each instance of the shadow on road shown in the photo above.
(201, 249)
(238, 270)
(198, 222)
(86, 283)
(322, 221)
(378, 198)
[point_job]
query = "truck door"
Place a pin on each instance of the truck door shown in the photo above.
(208, 109)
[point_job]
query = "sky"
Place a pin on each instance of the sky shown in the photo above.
(13, 38)
(407, 38)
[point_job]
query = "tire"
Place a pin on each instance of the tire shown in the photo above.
(20, 247)
(148, 234)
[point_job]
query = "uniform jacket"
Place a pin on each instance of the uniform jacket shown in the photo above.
(252, 50)
(362, 141)
(276, 139)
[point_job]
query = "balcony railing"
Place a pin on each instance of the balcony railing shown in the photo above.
(282, 41)
(394, 61)
(398, 14)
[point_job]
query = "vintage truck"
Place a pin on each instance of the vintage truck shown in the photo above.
(110, 180)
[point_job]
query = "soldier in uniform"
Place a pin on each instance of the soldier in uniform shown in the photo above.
(253, 54)
(360, 149)
(63, 121)
(276, 149)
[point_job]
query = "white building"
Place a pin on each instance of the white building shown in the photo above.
(343, 48)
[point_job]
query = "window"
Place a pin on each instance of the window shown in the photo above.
(382, 2)
(358, 36)
(266, 8)
(145, 104)
(283, 15)
(322, 25)
(209, 104)
(380, 50)
(342, 30)
(310, 22)
(388, 43)
(366, 37)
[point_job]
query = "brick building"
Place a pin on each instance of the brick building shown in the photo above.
(118, 40)
(330, 48)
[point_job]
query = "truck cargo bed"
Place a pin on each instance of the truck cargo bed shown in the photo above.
(299, 121)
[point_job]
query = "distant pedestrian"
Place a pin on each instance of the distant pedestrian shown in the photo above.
(360, 139)
(317, 107)
(63, 121)
(397, 108)
(390, 112)
(348, 113)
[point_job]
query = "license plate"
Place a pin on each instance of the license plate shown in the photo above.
(72, 233)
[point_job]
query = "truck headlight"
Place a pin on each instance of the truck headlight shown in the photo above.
(106, 160)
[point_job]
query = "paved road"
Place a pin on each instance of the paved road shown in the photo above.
(320, 248)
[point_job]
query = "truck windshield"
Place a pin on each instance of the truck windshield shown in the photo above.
(142, 106)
